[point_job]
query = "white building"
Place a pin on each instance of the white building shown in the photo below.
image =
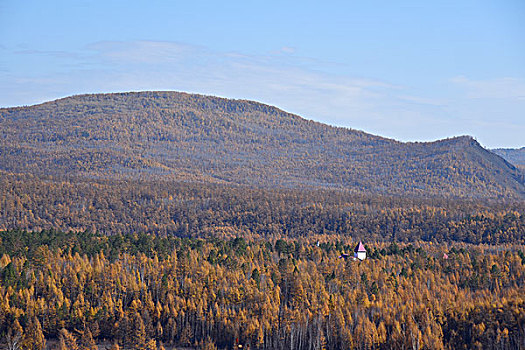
(360, 251)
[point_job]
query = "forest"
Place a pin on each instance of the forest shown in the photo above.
(186, 209)
(77, 289)
(187, 137)
(165, 220)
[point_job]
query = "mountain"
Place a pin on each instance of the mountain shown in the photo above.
(512, 155)
(179, 136)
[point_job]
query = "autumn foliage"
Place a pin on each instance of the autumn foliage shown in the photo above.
(186, 209)
(186, 137)
(267, 294)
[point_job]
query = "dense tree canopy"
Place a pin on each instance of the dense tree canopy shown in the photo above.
(170, 135)
(211, 210)
(77, 289)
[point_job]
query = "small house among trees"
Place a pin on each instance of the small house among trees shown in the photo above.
(360, 251)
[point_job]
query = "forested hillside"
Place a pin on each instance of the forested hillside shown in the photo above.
(172, 135)
(218, 210)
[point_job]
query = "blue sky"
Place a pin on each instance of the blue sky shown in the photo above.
(409, 70)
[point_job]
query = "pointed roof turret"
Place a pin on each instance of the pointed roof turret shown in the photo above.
(360, 247)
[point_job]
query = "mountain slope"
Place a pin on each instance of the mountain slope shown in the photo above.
(200, 138)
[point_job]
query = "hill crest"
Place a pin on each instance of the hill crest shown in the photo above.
(172, 135)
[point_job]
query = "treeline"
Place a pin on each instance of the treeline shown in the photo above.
(77, 290)
(188, 209)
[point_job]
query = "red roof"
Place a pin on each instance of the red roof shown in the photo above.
(360, 248)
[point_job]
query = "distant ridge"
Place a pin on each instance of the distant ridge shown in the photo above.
(180, 136)
(512, 155)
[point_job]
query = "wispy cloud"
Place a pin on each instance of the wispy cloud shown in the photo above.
(287, 49)
(56, 53)
(147, 52)
(423, 100)
(271, 78)
(501, 88)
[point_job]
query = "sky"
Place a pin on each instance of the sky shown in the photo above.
(408, 70)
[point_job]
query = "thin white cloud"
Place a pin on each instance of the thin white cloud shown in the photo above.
(267, 78)
(287, 49)
(148, 52)
(501, 88)
(422, 100)
(56, 53)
